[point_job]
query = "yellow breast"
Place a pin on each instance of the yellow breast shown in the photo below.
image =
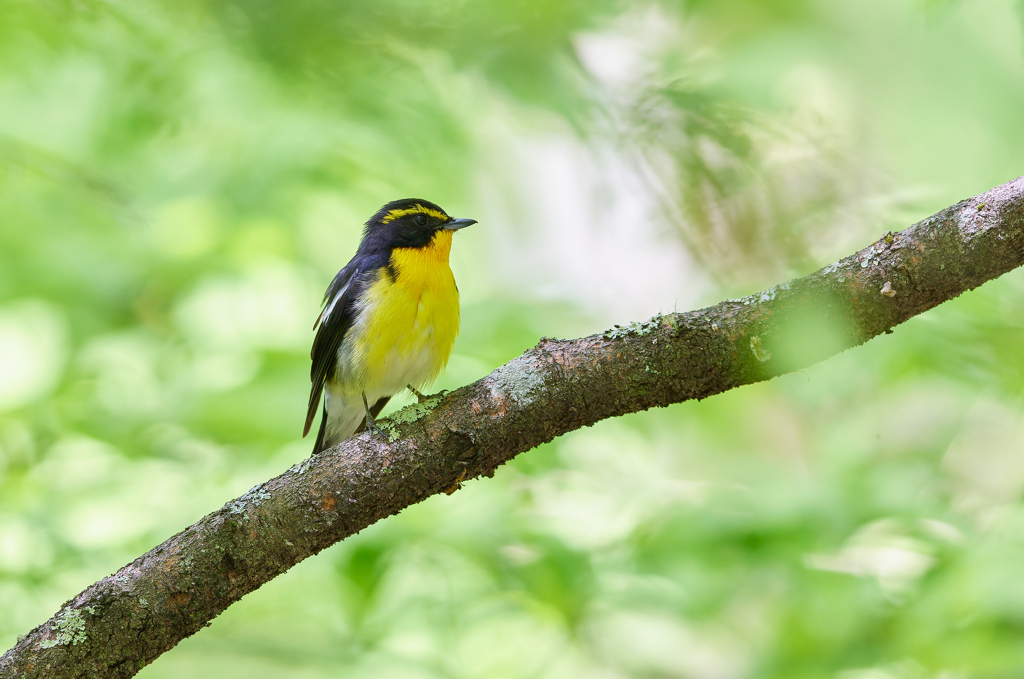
(411, 322)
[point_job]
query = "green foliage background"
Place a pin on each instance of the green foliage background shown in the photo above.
(180, 180)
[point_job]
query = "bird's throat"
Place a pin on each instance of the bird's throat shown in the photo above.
(425, 262)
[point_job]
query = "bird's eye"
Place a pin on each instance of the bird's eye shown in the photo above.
(421, 220)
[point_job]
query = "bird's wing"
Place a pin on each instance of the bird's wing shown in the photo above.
(332, 325)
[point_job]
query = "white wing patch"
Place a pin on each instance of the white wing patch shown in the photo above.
(326, 313)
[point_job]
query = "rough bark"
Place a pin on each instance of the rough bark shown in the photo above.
(126, 620)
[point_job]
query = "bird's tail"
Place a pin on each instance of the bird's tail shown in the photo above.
(318, 447)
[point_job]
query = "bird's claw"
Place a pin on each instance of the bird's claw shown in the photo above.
(420, 398)
(371, 426)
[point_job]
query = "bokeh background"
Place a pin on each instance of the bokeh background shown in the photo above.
(180, 180)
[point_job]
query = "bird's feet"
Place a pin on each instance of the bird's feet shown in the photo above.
(371, 425)
(422, 398)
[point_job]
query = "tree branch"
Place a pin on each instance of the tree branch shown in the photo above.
(124, 621)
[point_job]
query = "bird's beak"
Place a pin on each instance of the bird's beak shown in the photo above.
(456, 224)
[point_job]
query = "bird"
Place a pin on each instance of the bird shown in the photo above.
(388, 321)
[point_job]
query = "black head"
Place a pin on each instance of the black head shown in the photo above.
(407, 223)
